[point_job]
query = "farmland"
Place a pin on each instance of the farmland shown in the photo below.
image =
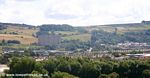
(82, 37)
(24, 39)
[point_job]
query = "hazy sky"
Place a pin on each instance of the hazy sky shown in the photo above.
(74, 12)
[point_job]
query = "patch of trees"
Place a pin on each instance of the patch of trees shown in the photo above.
(72, 45)
(102, 37)
(13, 42)
(42, 33)
(4, 42)
(14, 33)
(55, 27)
(65, 67)
(81, 30)
(16, 24)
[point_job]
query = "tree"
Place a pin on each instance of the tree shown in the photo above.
(124, 69)
(13, 41)
(22, 65)
(75, 67)
(35, 72)
(64, 66)
(62, 75)
(89, 70)
(106, 68)
(3, 42)
(103, 76)
(50, 66)
(146, 73)
(114, 75)
(39, 68)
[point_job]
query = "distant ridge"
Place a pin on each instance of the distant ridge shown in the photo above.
(143, 23)
(15, 24)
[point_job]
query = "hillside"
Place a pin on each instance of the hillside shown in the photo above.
(82, 37)
(121, 28)
(26, 34)
(24, 39)
(67, 32)
(21, 32)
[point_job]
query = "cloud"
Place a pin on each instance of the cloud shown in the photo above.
(74, 12)
(25, 0)
(2, 2)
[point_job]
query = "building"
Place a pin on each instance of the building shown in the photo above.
(46, 39)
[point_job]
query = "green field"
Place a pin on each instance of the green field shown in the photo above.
(19, 31)
(81, 37)
(121, 29)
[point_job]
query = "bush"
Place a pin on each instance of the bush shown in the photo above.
(13, 41)
(62, 75)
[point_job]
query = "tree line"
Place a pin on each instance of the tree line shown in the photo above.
(55, 27)
(65, 67)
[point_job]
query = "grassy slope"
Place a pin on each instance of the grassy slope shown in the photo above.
(67, 33)
(22, 38)
(74, 35)
(121, 29)
(86, 37)
(19, 30)
(82, 37)
(24, 34)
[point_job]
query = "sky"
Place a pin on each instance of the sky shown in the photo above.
(74, 12)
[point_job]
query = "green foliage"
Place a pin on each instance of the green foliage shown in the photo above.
(39, 68)
(35, 72)
(89, 70)
(75, 67)
(146, 73)
(82, 37)
(102, 37)
(65, 67)
(62, 75)
(74, 45)
(22, 65)
(54, 27)
(50, 66)
(13, 42)
(103, 76)
(114, 75)
(3, 42)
